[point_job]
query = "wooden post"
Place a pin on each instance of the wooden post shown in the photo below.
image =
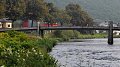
(110, 33)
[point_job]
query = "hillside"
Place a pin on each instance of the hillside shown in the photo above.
(98, 9)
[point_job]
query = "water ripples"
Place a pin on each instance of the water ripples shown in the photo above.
(91, 53)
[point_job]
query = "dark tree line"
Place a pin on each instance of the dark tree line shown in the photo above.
(37, 9)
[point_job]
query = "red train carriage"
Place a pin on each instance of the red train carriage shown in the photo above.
(50, 25)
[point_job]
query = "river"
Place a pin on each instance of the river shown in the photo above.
(87, 53)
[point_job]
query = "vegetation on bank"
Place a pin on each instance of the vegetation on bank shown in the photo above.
(90, 36)
(18, 49)
(73, 34)
(62, 35)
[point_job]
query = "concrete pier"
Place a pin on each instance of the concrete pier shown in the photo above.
(110, 33)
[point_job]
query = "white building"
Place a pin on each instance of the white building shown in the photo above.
(0, 25)
(5, 23)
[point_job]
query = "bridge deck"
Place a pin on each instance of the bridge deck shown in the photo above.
(60, 28)
(74, 28)
(78, 28)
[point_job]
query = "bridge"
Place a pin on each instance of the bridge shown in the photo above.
(110, 29)
(41, 30)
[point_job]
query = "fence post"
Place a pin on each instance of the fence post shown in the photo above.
(110, 33)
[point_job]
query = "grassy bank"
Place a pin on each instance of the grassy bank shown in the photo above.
(91, 36)
(99, 35)
(21, 50)
(70, 34)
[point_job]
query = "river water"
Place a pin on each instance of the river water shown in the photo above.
(87, 53)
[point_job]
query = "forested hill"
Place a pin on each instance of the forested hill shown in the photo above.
(98, 9)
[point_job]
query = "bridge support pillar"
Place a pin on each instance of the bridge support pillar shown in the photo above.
(42, 33)
(110, 33)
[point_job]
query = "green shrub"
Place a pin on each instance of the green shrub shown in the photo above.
(19, 50)
(66, 34)
(73, 34)
(90, 36)
(19, 35)
(33, 57)
(46, 43)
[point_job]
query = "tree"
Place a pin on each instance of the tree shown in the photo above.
(57, 16)
(2, 8)
(35, 9)
(79, 17)
(51, 10)
(15, 9)
(62, 17)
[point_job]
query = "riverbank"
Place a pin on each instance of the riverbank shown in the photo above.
(65, 35)
(19, 49)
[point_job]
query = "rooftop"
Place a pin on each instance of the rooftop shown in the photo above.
(5, 20)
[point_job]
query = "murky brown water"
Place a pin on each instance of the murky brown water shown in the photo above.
(90, 53)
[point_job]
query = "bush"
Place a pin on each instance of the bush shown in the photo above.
(32, 57)
(18, 49)
(46, 43)
(66, 34)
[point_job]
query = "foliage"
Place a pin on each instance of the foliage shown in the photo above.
(23, 9)
(57, 15)
(79, 17)
(46, 43)
(62, 17)
(65, 34)
(70, 34)
(2, 8)
(18, 49)
(32, 57)
(90, 36)
(98, 9)
(14, 9)
(35, 9)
